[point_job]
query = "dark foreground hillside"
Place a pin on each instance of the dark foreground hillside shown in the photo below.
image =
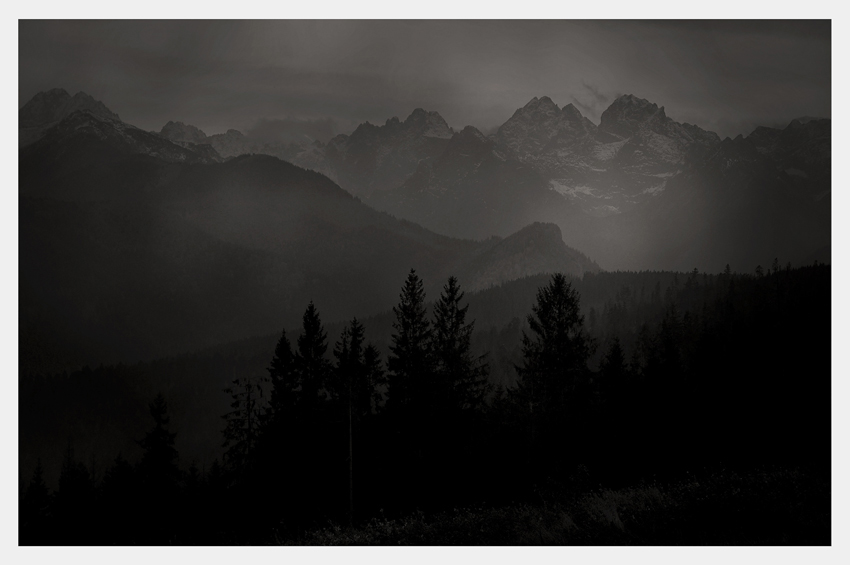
(766, 507)
(713, 388)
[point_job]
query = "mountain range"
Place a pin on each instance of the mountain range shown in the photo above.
(135, 247)
(137, 244)
(639, 190)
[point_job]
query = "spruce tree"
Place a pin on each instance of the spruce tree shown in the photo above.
(34, 510)
(613, 371)
(353, 390)
(158, 465)
(283, 379)
(243, 424)
(355, 376)
(121, 499)
(73, 501)
(555, 354)
(160, 478)
(460, 377)
(311, 368)
(410, 361)
(375, 370)
(553, 385)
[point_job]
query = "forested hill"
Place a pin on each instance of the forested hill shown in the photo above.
(706, 333)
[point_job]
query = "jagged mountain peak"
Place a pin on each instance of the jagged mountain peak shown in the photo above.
(178, 131)
(632, 100)
(541, 127)
(471, 132)
(466, 147)
(86, 129)
(54, 92)
(628, 112)
(49, 107)
(420, 122)
(429, 124)
(539, 103)
(84, 97)
(539, 106)
(572, 112)
(419, 113)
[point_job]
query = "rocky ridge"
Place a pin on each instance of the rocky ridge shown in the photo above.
(46, 109)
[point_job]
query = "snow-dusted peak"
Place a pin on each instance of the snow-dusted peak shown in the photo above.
(541, 127)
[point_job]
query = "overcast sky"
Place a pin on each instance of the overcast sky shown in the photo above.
(265, 76)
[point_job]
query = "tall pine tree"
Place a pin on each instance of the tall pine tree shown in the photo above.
(283, 380)
(460, 377)
(243, 424)
(410, 361)
(554, 379)
(355, 383)
(358, 373)
(555, 354)
(311, 368)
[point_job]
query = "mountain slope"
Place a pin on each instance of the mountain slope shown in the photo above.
(376, 158)
(130, 252)
(473, 190)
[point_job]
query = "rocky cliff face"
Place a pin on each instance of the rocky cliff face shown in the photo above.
(546, 136)
(606, 169)
(640, 190)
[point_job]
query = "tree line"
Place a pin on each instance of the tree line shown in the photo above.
(735, 372)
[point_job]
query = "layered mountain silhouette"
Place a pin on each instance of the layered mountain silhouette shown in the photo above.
(47, 109)
(638, 190)
(108, 209)
(372, 159)
(473, 190)
(133, 247)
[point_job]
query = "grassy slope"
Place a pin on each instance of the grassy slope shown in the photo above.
(768, 507)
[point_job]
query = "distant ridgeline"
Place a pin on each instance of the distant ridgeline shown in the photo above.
(668, 373)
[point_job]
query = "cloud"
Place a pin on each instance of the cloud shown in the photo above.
(221, 75)
(289, 130)
(592, 101)
(597, 94)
